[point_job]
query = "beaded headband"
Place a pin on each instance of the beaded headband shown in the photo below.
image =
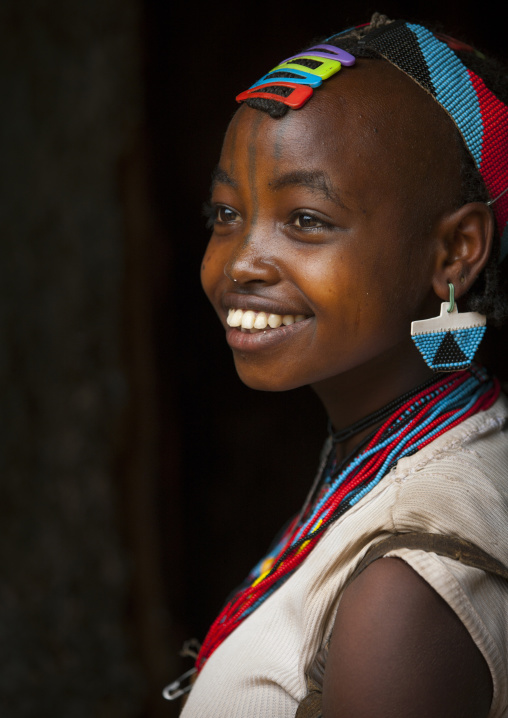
(430, 60)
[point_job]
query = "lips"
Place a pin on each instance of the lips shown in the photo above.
(256, 322)
(252, 339)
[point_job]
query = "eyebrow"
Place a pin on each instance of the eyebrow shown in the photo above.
(317, 181)
(220, 176)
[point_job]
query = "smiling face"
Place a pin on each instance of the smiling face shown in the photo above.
(323, 241)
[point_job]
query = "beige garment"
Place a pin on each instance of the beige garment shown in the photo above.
(457, 485)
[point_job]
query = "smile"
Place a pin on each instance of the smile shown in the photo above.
(251, 331)
(252, 322)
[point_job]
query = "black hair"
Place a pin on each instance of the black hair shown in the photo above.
(489, 293)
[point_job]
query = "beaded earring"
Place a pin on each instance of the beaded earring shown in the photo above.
(449, 342)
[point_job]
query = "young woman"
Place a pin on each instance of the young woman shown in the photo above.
(350, 204)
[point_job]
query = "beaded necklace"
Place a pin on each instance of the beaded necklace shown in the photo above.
(409, 423)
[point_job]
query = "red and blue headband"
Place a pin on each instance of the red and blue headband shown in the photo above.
(430, 60)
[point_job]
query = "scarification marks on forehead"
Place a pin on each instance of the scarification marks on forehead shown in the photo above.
(232, 139)
(252, 153)
(279, 139)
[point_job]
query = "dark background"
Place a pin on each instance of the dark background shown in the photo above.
(140, 478)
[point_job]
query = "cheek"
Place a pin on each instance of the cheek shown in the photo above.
(356, 298)
(333, 283)
(212, 269)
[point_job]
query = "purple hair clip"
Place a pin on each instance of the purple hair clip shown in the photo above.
(329, 51)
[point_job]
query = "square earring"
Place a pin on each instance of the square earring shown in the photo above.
(449, 342)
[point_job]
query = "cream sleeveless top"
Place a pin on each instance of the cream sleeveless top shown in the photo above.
(457, 485)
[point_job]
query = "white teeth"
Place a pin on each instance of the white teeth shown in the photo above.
(248, 319)
(251, 321)
(261, 321)
(236, 319)
(274, 320)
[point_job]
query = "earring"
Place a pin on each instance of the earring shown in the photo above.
(449, 342)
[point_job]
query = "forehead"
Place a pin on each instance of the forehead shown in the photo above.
(369, 123)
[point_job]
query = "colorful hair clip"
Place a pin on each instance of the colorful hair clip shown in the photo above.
(295, 99)
(325, 61)
(324, 70)
(329, 51)
(299, 77)
(454, 44)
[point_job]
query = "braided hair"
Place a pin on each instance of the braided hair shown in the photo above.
(489, 293)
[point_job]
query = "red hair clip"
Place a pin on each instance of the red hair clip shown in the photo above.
(295, 99)
(454, 44)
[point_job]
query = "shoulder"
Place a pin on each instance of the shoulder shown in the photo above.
(458, 484)
(397, 648)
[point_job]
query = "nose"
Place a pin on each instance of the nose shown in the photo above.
(252, 260)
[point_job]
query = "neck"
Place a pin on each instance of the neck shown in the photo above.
(351, 396)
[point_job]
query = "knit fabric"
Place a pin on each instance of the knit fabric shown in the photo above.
(456, 485)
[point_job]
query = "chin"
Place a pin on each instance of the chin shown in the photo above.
(263, 381)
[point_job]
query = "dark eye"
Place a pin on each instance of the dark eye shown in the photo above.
(308, 221)
(224, 214)
(218, 214)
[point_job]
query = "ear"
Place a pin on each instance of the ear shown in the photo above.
(464, 239)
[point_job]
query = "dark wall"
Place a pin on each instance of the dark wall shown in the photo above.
(68, 118)
(84, 628)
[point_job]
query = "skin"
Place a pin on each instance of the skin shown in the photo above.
(340, 212)
(399, 650)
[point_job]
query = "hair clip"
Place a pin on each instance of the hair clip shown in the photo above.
(298, 77)
(325, 67)
(490, 202)
(329, 51)
(325, 61)
(295, 99)
(459, 45)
